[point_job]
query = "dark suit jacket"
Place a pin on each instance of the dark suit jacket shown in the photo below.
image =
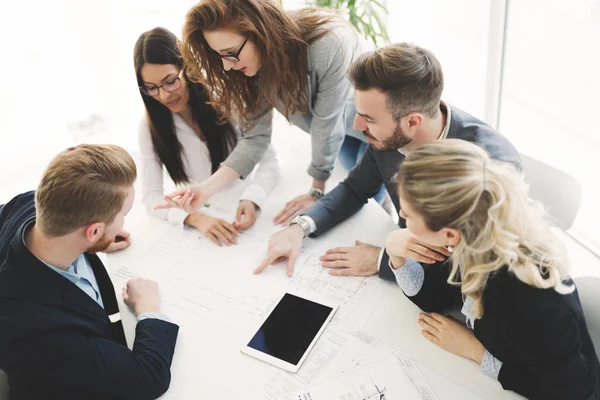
(58, 343)
(379, 167)
(539, 335)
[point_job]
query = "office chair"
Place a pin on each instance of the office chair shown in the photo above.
(589, 295)
(3, 386)
(558, 191)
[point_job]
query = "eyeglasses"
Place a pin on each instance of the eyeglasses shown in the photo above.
(169, 86)
(233, 57)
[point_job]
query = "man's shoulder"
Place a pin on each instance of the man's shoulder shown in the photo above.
(17, 208)
(470, 128)
(12, 215)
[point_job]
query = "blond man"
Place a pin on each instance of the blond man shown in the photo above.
(61, 336)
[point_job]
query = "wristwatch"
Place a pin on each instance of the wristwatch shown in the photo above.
(304, 224)
(315, 193)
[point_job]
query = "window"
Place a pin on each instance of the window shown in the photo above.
(549, 101)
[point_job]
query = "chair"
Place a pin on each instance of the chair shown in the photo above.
(3, 386)
(589, 295)
(558, 191)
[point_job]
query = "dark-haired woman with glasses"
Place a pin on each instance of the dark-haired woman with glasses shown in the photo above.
(181, 132)
(256, 57)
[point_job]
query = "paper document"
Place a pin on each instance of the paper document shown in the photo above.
(389, 378)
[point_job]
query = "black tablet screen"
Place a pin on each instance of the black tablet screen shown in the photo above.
(290, 328)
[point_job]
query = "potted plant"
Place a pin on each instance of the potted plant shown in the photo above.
(367, 16)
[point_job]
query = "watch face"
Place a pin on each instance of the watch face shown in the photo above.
(316, 193)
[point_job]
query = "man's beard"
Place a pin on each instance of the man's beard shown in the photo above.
(395, 142)
(101, 244)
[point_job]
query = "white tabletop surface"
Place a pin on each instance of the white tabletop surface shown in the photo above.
(213, 296)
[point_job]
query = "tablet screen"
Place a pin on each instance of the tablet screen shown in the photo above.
(291, 327)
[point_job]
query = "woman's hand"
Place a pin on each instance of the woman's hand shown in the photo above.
(189, 199)
(451, 336)
(245, 216)
(293, 208)
(216, 229)
(192, 198)
(401, 244)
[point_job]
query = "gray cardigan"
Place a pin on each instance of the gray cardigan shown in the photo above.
(331, 105)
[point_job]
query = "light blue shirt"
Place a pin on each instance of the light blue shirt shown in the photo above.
(81, 274)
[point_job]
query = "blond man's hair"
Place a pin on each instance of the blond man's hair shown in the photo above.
(410, 76)
(82, 185)
(454, 184)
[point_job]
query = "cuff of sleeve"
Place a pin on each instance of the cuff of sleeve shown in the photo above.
(242, 166)
(410, 277)
(491, 365)
(255, 194)
(317, 174)
(311, 223)
(148, 315)
(381, 253)
(176, 216)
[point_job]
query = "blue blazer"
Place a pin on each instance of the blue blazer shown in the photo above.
(58, 343)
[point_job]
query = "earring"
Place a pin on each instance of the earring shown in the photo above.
(450, 248)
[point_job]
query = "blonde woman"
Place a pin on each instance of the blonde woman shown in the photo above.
(525, 325)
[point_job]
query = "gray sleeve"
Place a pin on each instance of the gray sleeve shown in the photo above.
(491, 365)
(252, 146)
(410, 277)
(331, 57)
(155, 315)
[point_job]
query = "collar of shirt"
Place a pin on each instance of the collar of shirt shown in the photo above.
(445, 108)
(79, 273)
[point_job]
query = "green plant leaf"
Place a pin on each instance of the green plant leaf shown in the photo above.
(364, 15)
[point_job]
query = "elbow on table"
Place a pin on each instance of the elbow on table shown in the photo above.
(153, 386)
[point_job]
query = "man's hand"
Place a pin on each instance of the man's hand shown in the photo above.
(245, 216)
(451, 336)
(142, 296)
(120, 242)
(402, 244)
(360, 260)
(293, 208)
(216, 229)
(284, 244)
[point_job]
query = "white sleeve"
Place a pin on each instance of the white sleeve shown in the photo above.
(263, 179)
(152, 179)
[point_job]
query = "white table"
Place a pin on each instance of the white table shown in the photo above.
(208, 362)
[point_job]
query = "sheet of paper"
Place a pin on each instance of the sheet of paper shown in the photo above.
(391, 377)
(356, 296)
(212, 291)
(340, 348)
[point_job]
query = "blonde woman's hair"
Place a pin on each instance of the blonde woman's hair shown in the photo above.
(83, 184)
(454, 184)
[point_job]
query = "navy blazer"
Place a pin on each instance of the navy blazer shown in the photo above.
(56, 342)
(540, 335)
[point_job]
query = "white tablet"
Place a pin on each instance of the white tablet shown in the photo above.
(289, 332)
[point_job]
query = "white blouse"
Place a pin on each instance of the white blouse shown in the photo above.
(198, 167)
